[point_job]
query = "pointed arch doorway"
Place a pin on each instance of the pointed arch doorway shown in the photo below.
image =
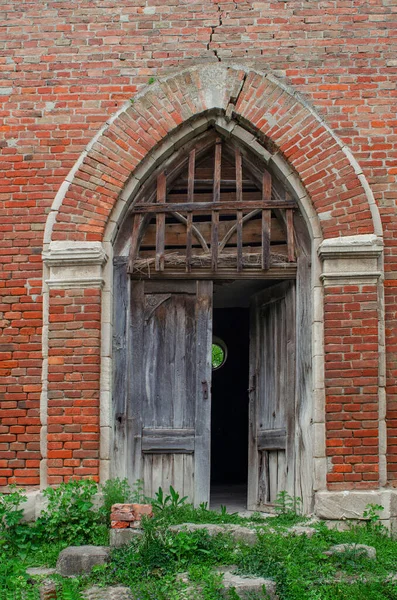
(211, 230)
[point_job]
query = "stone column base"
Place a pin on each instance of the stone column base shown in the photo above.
(350, 505)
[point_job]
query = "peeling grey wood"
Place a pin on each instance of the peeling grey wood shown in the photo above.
(272, 439)
(171, 441)
(121, 283)
(135, 383)
(168, 417)
(203, 392)
(272, 394)
(304, 385)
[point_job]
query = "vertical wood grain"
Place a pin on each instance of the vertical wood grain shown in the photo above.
(134, 249)
(203, 405)
(121, 285)
(290, 234)
(160, 223)
(216, 198)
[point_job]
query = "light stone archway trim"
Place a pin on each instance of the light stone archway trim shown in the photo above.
(212, 98)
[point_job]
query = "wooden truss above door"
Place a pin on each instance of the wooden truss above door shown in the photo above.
(217, 215)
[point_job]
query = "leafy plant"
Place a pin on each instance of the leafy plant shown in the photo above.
(13, 533)
(69, 515)
(172, 500)
(184, 546)
(372, 517)
(114, 491)
(137, 494)
(10, 512)
(286, 506)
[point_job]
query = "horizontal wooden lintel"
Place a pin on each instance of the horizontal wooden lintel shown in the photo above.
(209, 206)
(271, 439)
(168, 441)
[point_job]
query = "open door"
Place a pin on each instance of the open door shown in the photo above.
(271, 458)
(169, 389)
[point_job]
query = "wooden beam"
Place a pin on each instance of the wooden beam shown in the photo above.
(266, 186)
(208, 206)
(239, 198)
(189, 223)
(134, 249)
(189, 226)
(239, 176)
(169, 441)
(207, 195)
(266, 219)
(175, 233)
(192, 160)
(215, 199)
(266, 234)
(160, 222)
(290, 235)
(239, 240)
(214, 240)
(272, 439)
(217, 171)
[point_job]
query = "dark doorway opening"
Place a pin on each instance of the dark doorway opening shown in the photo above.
(230, 400)
(229, 411)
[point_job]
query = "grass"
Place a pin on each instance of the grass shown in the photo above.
(152, 566)
(164, 565)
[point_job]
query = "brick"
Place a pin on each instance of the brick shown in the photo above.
(50, 115)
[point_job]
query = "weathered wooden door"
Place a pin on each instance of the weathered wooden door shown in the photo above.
(168, 389)
(272, 395)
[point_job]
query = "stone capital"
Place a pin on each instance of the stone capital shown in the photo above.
(351, 259)
(74, 264)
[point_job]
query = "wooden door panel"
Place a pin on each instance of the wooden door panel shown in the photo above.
(169, 353)
(272, 395)
(170, 381)
(163, 470)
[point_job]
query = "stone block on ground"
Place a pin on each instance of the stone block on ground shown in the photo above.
(109, 593)
(242, 534)
(211, 528)
(122, 537)
(40, 571)
(77, 560)
(246, 586)
(238, 532)
(360, 549)
(302, 530)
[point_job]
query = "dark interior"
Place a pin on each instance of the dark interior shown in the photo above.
(229, 413)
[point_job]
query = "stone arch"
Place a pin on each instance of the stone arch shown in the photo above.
(278, 118)
(279, 126)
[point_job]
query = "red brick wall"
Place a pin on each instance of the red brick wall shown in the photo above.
(65, 67)
(351, 379)
(73, 384)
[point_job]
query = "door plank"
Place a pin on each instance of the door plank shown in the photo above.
(188, 480)
(147, 470)
(179, 474)
(121, 283)
(303, 408)
(134, 406)
(172, 323)
(203, 392)
(272, 410)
